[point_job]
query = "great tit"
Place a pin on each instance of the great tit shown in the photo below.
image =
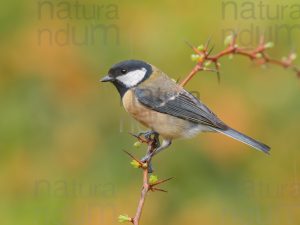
(159, 103)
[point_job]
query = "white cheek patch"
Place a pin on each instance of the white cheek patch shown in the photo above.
(132, 78)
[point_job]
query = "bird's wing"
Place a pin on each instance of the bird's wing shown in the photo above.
(178, 103)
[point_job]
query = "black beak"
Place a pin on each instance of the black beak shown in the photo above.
(107, 78)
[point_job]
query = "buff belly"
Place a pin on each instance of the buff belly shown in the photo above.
(169, 127)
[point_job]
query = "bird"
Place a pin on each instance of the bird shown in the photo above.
(156, 101)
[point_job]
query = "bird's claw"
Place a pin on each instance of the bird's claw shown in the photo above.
(150, 135)
(147, 134)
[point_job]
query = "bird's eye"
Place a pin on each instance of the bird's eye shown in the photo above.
(123, 71)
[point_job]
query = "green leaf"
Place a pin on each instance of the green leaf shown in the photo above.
(293, 56)
(269, 45)
(195, 57)
(124, 218)
(153, 179)
(228, 40)
(207, 63)
(135, 164)
(258, 55)
(200, 47)
(137, 144)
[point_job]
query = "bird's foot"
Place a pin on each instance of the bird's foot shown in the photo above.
(150, 136)
(147, 134)
(147, 157)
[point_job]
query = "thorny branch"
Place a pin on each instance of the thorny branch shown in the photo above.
(203, 58)
(150, 182)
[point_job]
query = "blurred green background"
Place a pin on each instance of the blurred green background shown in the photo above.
(62, 132)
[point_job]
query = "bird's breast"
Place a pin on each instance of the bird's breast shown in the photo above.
(166, 125)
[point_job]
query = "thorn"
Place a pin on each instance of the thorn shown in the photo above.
(218, 71)
(161, 181)
(142, 140)
(131, 156)
(142, 165)
(210, 51)
(210, 70)
(208, 42)
(219, 77)
(134, 135)
(158, 189)
(189, 44)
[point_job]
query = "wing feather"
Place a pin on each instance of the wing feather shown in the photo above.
(179, 103)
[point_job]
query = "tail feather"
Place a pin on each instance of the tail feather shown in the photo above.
(245, 139)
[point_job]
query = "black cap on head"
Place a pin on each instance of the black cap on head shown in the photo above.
(124, 67)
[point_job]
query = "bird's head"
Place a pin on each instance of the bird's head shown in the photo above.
(128, 74)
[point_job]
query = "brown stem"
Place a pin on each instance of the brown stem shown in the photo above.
(146, 186)
(144, 192)
(152, 143)
(257, 53)
(195, 70)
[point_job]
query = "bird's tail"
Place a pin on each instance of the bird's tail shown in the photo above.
(245, 139)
